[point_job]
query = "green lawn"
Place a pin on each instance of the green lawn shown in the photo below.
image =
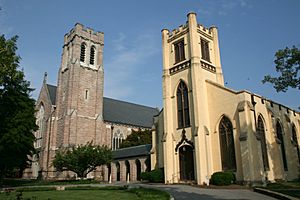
(27, 182)
(289, 188)
(89, 194)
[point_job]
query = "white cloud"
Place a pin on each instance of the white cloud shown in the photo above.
(224, 7)
(129, 56)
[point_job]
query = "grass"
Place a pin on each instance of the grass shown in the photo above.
(288, 188)
(88, 193)
(27, 182)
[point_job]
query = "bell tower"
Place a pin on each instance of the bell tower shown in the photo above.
(80, 88)
(191, 57)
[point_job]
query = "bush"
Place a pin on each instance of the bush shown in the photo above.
(145, 175)
(155, 176)
(222, 178)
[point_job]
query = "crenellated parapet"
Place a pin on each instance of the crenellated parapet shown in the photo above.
(183, 29)
(84, 33)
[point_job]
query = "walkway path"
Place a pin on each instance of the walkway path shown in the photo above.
(186, 192)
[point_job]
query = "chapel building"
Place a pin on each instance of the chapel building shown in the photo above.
(205, 127)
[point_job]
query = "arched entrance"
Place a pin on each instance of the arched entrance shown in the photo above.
(186, 163)
(108, 172)
(138, 169)
(118, 171)
(127, 170)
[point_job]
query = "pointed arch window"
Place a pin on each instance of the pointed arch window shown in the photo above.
(40, 122)
(92, 55)
(295, 141)
(82, 52)
(279, 135)
(183, 113)
(227, 144)
(263, 143)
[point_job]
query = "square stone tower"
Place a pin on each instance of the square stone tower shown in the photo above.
(191, 57)
(80, 88)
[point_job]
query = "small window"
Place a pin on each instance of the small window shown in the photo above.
(86, 94)
(92, 55)
(82, 52)
(205, 50)
(179, 51)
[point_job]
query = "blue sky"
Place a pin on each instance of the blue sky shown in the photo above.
(250, 32)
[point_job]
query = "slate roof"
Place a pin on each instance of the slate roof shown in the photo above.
(120, 112)
(128, 113)
(52, 93)
(141, 150)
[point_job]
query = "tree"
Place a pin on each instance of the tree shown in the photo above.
(82, 159)
(17, 120)
(287, 63)
(137, 138)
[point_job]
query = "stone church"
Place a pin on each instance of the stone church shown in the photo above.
(75, 112)
(203, 127)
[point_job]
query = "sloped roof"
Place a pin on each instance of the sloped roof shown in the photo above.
(120, 112)
(128, 113)
(52, 93)
(141, 150)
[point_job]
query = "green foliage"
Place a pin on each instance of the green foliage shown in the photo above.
(155, 176)
(82, 159)
(222, 178)
(16, 111)
(287, 63)
(137, 138)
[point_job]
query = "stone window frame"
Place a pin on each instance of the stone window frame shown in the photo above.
(93, 51)
(261, 130)
(83, 47)
(40, 122)
(183, 111)
(179, 51)
(118, 138)
(294, 141)
(280, 141)
(205, 52)
(227, 145)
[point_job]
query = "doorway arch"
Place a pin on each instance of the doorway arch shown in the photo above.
(186, 163)
(118, 171)
(138, 169)
(127, 170)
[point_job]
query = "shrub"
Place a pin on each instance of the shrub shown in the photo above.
(222, 178)
(155, 176)
(145, 175)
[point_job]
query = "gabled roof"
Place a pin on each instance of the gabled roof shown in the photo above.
(120, 112)
(52, 93)
(128, 113)
(141, 150)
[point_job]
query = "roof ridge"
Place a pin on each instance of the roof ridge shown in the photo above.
(132, 147)
(131, 103)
